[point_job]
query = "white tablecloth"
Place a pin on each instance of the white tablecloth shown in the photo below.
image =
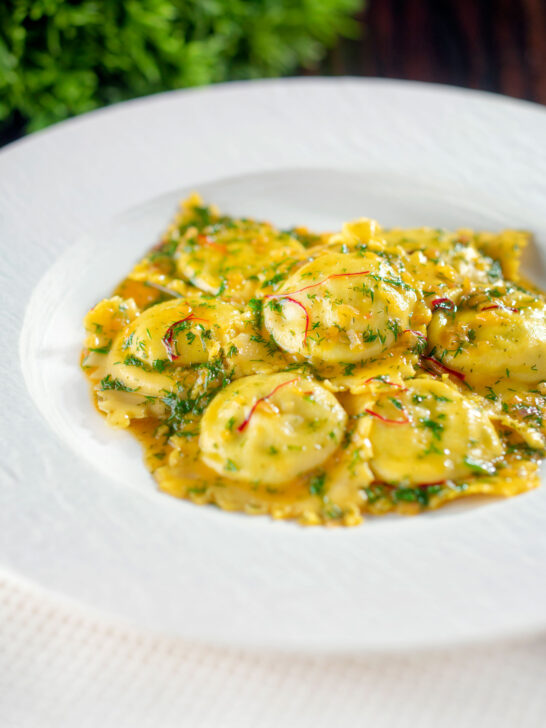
(62, 666)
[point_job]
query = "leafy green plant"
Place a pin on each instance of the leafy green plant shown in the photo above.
(62, 57)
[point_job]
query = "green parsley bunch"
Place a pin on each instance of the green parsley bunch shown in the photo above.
(63, 57)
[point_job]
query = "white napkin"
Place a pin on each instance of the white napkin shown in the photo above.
(61, 666)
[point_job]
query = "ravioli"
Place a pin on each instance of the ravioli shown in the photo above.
(325, 376)
(491, 334)
(230, 256)
(429, 433)
(341, 308)
(271, 428)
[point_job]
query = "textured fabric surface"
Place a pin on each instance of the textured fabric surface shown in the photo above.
(61, 666)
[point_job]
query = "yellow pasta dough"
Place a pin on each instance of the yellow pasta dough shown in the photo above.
(492, 332)
(341, 308)
(271, 428)
(430, 433)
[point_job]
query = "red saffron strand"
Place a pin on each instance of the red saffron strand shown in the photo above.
(318, 283)
(305, 311)
(288, 296)
(416, 333)
(489, 308)
(167, 339)
(386, 419)
(245, 422)
(437, 303)
(447, 369)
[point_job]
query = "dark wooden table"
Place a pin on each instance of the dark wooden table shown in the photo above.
(495, 45)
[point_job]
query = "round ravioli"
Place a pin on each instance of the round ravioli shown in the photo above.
(341, 308)
(236, 259)
(492, 335)
(429, 433)
(271, 428)
(148, 355)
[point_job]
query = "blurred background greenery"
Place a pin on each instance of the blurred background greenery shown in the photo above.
(59, 58)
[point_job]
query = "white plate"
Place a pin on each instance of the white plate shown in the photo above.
(79, 513)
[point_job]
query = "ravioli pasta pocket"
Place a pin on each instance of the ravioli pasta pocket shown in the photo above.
(325, 376)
